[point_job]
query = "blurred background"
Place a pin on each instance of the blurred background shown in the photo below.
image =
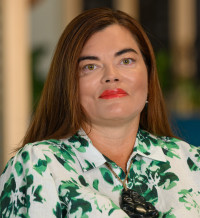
(30, 29)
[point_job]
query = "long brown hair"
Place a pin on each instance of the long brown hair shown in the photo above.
(59, 113)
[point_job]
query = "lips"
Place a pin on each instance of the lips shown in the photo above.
(114, 93)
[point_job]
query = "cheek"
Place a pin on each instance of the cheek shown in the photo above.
(87, 90)
(139, 83)
(143, 79)
(82, 90)
(143, 84)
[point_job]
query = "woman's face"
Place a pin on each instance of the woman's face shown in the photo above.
(112, 77)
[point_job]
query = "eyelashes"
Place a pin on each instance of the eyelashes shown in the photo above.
(87, 69)
(127, 61)
(91, 67)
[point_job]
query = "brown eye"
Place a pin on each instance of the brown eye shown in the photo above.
(90, 67)
(127, 61)
(86, 69)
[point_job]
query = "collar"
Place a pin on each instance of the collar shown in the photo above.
(88, 156)
(146, 145)
(149, 146)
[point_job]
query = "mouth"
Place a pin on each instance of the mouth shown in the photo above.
(114, 93)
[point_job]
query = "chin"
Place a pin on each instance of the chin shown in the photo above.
(121, 116)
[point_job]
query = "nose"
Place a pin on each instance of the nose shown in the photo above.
(110, 80)
(110, 75)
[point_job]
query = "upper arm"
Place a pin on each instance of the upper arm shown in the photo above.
(27, 188)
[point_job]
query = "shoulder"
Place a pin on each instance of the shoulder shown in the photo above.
(178, 144)
(44, 148)
(175, 148)
(28, 175)
(168, 143)
(172, 147)
(37, 156)
(35, 150)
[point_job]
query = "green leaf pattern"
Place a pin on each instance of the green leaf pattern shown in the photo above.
(69, 178)
(190, 199)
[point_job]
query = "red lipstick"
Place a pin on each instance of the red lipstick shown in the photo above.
(114, 93)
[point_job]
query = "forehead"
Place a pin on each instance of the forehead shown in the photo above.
(113, 37)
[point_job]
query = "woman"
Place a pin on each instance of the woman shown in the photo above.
(100, 144)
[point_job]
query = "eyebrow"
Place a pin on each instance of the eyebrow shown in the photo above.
(88, 58)
(126, 50)
(123, 51)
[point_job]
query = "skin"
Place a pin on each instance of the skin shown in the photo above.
(109, 60)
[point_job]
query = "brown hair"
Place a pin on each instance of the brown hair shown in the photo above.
(59, 113)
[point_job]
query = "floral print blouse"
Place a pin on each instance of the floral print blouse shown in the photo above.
(69, 178)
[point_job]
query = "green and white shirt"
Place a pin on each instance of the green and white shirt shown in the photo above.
(69, 178)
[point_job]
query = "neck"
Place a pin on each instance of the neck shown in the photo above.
(116, 143)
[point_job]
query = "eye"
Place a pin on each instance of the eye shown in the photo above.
(87, 69)
(90, 67)
(127, 61)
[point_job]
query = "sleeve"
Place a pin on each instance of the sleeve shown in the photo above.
(193, 159)
(27, 188)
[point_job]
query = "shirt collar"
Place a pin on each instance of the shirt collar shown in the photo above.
(149, 146)
(88, 156)
(146, 145)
